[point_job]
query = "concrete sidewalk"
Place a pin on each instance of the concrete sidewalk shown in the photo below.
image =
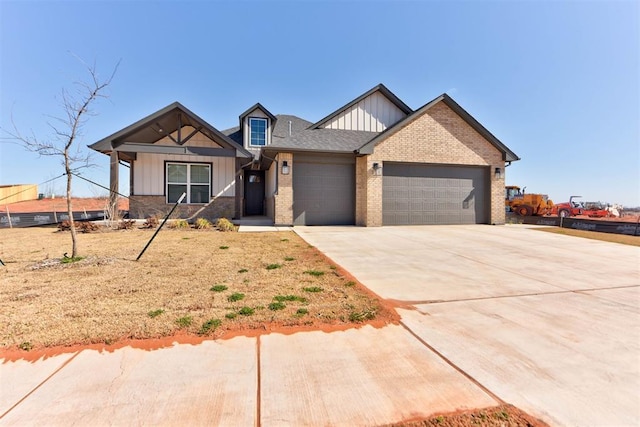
(361, 376)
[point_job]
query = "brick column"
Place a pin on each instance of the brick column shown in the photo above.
(284, 198)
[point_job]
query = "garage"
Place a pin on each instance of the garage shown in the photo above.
(323, 190)
(422, 194)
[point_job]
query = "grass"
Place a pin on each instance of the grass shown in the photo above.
(289, 258)
(184, 321)
(209, 325)
(313, 289)
(236, 296)
(274, 306)
(176, 287)
(246, 311)
(155, 313)
(315, 273)
(70, 260)
(282, 298)
(273, 266)
(594, 235)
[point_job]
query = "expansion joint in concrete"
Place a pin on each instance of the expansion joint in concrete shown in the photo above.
(40, 385)
(454, 366)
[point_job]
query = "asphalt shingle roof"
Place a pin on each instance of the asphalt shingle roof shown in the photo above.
(303, 138)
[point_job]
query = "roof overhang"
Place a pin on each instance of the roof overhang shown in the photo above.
(507, 154)
(141, 135)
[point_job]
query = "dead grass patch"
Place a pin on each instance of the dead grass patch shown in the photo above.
(108, 297)
(594, 235)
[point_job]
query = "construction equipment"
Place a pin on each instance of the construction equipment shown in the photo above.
(526, 204)
(567, 209)
(590, 209)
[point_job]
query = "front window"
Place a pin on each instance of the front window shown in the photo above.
(258, 130)
(193, 179)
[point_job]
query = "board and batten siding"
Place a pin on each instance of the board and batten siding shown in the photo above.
(375, 113)
(149, 173)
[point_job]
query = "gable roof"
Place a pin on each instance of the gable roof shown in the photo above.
(507, 154)
(162, 123)
(379, 88)
(259, 106)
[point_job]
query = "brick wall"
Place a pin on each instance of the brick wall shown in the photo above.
(438, 136)
(145, 206)
(283, 201)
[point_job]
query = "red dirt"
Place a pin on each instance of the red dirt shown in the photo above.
(60, 205)
(13, 354)
(503, 416)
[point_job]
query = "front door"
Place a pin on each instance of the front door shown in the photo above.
(254, 193)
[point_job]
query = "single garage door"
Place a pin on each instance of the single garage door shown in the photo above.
(323, 190)
(416, 194)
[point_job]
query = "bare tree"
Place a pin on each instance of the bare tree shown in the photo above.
(67, 129)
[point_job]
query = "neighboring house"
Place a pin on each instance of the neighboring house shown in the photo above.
(372, 162)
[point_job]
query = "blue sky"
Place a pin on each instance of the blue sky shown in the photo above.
(557, 82)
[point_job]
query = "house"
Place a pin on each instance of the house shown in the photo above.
(372, 162)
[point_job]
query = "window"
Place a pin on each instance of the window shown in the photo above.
(258, 132)
(193, 179)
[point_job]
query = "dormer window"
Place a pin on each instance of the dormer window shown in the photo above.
(258, 132)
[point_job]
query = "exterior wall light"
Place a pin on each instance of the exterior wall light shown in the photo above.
(497, 173)
(377, 169)
(285, 167)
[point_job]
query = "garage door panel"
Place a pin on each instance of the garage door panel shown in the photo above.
(434, 194)
(323, 192)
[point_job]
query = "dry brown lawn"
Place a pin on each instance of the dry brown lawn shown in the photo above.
(108, 296)
(594, 235)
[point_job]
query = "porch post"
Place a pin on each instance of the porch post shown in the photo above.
(113, 185)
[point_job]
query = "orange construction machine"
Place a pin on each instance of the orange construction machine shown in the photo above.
(526, 204)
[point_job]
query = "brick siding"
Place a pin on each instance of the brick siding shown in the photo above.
(439, 136)
(283, 201)
(145, 206)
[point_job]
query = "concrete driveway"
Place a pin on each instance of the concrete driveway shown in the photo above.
(548, 323)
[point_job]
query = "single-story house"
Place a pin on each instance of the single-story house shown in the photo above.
(372, 162)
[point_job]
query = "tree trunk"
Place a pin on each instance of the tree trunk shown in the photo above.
(72, 224)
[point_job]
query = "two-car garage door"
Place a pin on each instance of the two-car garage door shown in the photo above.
(412, 193)
(415, 194)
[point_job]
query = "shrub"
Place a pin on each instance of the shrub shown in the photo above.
(273, 266)
(179, 224)
(231, 315)
(150, 222)
(302, 312)
(202, 224)
(64, 225)
(87, 227)
(224, 224)
(313, 289)
(126, 224)
(218, 288)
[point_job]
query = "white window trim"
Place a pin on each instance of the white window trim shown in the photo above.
(266, 131)
(187, 199)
